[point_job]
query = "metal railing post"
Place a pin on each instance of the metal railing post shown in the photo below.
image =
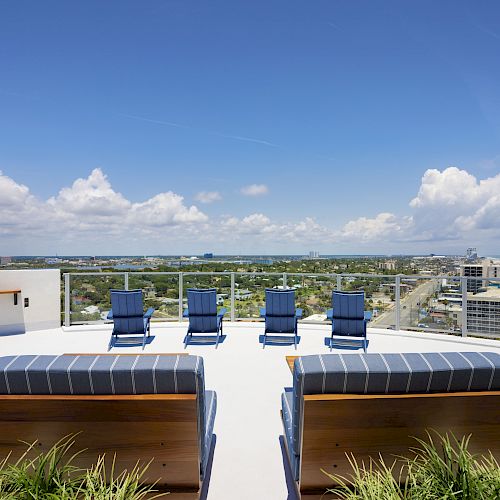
(463, 286)
(126, 281)
(339, 282)
(181, 296)
(232, 297)
(67, 300)
(284, 281)
(397, 298)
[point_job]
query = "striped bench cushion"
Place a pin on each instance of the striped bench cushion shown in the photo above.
(108, 375)
(391, 374)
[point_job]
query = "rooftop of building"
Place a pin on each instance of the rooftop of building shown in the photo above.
(248, 435)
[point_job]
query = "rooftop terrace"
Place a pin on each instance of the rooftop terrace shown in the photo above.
(249, 456)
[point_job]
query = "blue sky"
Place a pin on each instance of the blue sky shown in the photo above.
(337, 107)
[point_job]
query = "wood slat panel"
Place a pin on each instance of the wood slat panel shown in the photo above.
(290, 360)
(367, 425)
(161, 428)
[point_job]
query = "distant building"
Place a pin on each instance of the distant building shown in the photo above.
(5, 261)
(242, 294)
(471, 254)
(479, 270)
(208, 255)
(90, 310)
(484, 269)
(313, 254)
(388, 265)
(483, 312)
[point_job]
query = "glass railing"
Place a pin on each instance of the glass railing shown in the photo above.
(437, 304)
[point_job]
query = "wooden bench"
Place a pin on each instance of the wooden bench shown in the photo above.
(336, 425)
(160, 429)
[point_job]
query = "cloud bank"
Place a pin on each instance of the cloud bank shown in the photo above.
(451, 209)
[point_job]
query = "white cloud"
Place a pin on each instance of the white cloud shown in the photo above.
(89, 197)
(381, 226)
(255, 190)
(450, 206)
(89, 207)
(208, 196)
(165, 209)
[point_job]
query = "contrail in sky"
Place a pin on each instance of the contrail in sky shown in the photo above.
(219, 134)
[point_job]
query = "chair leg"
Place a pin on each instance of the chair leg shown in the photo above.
(110, 345)
(186, 340)
(331, 343)
(264, 341)
(217, 340)
(295, 340)
(143, 341)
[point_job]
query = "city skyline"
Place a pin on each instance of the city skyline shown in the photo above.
(251, 128)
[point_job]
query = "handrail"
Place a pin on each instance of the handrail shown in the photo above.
(287, 280)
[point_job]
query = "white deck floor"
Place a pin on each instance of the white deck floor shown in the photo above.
(248, 380)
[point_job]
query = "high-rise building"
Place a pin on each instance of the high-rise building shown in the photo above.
(471, 254)
(479, 270)
(5, 260)
(483, 312)
(485, 269)
(313, 254)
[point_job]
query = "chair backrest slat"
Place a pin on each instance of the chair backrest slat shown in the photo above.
(128, 311)
(280, 310)
(348, 313)
(202, 306)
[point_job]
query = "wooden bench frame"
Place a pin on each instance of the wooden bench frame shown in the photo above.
(369, 425)
(157, 428)
(161, 428)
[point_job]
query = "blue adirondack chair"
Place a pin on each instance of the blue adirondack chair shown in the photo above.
(202, 314)
(127, 313)
(280, 313)
(348, 316)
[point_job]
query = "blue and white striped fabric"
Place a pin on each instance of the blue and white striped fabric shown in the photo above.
(108, 375)
(391, 374)
(202, 307)
(280, 311)
(128, 313)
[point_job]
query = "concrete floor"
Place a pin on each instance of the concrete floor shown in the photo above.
(248, 460)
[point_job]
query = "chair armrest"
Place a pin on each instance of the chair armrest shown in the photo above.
(221, 313)
(149, 313)
(368, 315)
(110, 315)
(262, 312)
(185, 313)
(329, 314)
(298, 312)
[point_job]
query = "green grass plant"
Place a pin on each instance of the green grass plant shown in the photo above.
(51, 475)
(440, 467)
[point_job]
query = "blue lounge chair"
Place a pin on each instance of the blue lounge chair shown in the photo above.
(348, 316)
(202, 314)
(280, 313)
(128, 315)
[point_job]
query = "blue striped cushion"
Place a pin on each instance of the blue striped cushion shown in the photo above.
(115, 374)
(391, 374)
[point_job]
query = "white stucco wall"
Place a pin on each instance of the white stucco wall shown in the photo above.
(42, 288)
